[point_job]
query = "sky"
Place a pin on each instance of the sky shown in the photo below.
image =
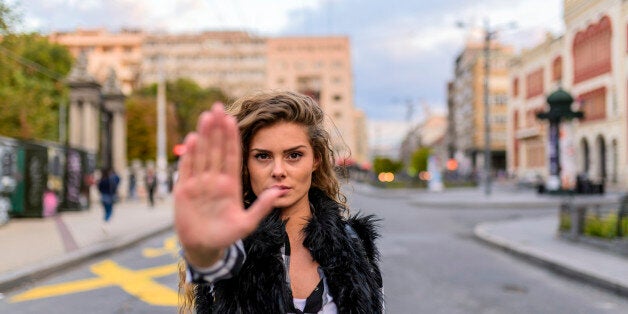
(403, 51)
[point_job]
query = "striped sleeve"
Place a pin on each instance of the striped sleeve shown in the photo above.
(224, 268)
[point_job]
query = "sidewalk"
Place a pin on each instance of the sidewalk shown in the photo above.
(35, 247)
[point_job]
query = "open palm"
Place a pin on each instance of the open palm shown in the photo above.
(209, 213)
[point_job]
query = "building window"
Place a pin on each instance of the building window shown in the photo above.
(337, 97)
(557, 69)
(534, 84)
(592, 50)
(593, 104)
(515, 87)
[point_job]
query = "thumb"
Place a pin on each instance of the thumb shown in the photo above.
(262, 206)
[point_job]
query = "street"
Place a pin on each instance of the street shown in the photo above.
(430, 261)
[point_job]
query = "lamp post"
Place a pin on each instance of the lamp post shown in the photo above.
(161, 131)
(488, 34)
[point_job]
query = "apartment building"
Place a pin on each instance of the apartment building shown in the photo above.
(466, 94)
(237, 62)
(589, 62)
(321, 68)
(234, 61)
(121, 51)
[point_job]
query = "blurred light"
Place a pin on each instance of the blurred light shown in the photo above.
(179, 149)
(425, 175)
(452, 164)
(386, 177)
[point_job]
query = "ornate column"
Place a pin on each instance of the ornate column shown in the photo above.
(84, 107)
(113, 107)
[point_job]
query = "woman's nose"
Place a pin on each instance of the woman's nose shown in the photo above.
(279, 170)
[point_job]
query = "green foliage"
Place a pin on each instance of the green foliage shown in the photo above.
(418, 161)
(604, 226)
(190, 100)
(8, 18)
(383, 164)
(185, 102)
(141, 114)
(31, 90)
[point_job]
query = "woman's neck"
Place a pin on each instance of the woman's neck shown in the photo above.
(297, 217)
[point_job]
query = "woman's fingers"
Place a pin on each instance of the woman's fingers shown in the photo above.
(216, 153)
(202, 142)
(233, 148)
(186, 166)
(260, 208)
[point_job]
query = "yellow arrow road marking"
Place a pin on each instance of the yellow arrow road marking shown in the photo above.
(138, 283)
(170, 247)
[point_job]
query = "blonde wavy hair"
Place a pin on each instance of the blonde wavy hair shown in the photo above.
(266, 109)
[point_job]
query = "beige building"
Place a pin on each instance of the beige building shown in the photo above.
(238, 63)
(466, 94)
(121, 51)
(589, 61)
(231, 60)
(321, 67)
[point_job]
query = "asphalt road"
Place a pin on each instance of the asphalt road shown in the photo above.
(430, 261)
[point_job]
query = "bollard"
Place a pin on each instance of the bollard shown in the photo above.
(623, 211)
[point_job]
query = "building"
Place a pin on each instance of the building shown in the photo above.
(234, 61)
(534, 73)
(237, 62)
(121, 51)
(466, 94)
(321, 68)
(588, 61)
(430, 133)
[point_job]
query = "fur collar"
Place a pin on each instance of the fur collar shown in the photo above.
(344, 249)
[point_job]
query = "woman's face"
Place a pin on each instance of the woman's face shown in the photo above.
(281, 156)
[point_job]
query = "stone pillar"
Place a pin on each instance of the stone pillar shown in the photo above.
(113, 103)
(84, 107)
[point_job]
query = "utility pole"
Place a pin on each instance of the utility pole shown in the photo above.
(487, 110)
(161, 131)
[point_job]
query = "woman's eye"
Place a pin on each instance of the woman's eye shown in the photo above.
(294, 155)
(261, 156)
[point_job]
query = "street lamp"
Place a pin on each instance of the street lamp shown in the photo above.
(488, 35)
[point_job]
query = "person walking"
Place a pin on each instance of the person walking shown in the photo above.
(295, 248)
(108, 187)
(151, 185)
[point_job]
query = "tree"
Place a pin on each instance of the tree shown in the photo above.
(185, 102)
(141, 114)
(31, 86)
(418, 161)
(383, 164)
(190, 100)
(7, 18)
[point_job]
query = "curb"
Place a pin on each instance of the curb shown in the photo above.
(481, 234)
(487, 205)
(15, 279)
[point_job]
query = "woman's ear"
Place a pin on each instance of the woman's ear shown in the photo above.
(317, 162)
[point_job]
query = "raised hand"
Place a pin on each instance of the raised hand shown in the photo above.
(209, 213)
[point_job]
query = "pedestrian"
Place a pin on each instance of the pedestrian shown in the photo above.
(151, 184)
(108, 187)
(295, 249)
(132, 185)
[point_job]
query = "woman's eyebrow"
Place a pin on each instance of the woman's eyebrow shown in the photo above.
(285, 150)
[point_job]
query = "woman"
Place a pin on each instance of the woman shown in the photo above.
(292, 250)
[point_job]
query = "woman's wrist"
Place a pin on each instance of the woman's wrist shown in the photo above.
(203, 260)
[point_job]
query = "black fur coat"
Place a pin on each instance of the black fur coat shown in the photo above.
(344, 249)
